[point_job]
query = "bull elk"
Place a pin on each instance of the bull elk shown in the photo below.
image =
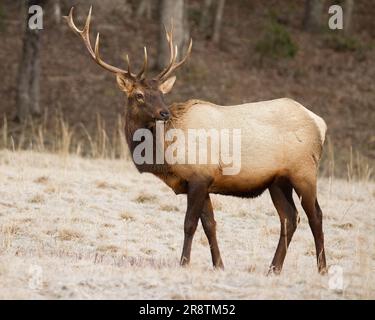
(281, 148)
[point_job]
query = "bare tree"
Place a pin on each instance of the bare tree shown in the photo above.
(57, 11)
(218, 21)
(145, 9)
(211, 19)
(28, 90)
(348, 14)
(313, 14)
(206, 17)
(172, 11)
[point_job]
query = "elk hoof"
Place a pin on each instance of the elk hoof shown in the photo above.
(273, 271)
(184, 262)
(323, 271)
(219, 265)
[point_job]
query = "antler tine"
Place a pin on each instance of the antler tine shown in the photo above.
(84, 34)
(69, 19)
(172, 65)
(97, 54)
(175, 65)
(169, 36)
(172, 55)
(142, 73)
(86, 28)
(128, 63)
(170, 41)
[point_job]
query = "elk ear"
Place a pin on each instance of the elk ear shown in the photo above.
(167, 85)
(124, 83)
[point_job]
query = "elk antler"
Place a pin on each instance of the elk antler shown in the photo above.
(85, 35)
(172, 65)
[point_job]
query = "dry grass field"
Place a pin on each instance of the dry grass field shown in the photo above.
(73, 228)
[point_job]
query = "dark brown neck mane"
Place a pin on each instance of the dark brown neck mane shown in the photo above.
(133, 122)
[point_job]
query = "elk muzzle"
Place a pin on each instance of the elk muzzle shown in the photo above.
(164, 115)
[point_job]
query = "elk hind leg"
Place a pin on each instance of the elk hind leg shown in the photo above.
(306, 190)
(282, 198)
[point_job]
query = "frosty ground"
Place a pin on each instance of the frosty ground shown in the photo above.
(73, 228)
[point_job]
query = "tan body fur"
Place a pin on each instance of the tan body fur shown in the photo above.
(272, 144)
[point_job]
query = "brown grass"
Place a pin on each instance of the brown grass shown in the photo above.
(108, 248)
(127, 216)
(37, 199)
(144, 198)
(68, 235)
(169, 208)
(42, 180)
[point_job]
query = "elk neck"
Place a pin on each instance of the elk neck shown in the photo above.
(133, 122)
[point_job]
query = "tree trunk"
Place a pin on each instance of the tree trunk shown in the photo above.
(205, 18)
(57, 11)
(172, 11)
(348, 14)
(313, 15)
(218, 21)
(28, 89)
(144, 9)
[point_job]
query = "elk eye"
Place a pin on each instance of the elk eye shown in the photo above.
(139, 96)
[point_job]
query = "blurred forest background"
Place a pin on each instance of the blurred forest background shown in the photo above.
(53, 97)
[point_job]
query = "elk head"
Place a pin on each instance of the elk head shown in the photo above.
(145, 96)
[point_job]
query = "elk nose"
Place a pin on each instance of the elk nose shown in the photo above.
(165, 115)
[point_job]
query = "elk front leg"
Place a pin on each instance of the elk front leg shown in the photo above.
(197, 194)
(209, 226)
